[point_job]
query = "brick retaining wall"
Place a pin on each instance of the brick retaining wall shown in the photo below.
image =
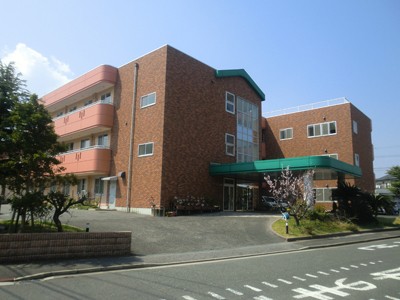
(22, 247)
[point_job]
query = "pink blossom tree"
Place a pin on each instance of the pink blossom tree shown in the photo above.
(296, 190)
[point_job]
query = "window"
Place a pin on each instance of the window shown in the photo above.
(323, 194)
(230, 102)
(146, 149)
(356, 160)
(66, 189)
(82, 186)
(321, 129)
(70, 146)
(106, 98)
(102, 140)
(248, 130)
(85, 143)
(148, 100)
(98, 186)
(229, 144)
(355, 127)
(59, 114)
(88, 102)
(72, 108)
(286, 133)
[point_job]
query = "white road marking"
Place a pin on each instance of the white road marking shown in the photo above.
(262, 298)
(392, 298)
(216, 296)
(363, 265)
(234, 292)
(188, 298)
(371, 263)
(284, 281)
(336, 271)
(253, 288)
(323, 273)
(299, 278)
(269, 284)
(343, 268)
(353, 266)
(312, 276)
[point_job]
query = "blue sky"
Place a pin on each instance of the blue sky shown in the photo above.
(298, 52)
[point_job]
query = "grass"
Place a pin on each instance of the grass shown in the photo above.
(312, 228)
(44, 227)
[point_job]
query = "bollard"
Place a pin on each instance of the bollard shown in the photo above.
(87, 227)
(287, 228)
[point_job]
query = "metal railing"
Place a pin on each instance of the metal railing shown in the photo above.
(306, 107)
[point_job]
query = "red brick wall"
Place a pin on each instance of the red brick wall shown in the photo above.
(344, 143)
(187, 125)
(21, 247)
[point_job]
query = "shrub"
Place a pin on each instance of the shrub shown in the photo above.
(318, 213)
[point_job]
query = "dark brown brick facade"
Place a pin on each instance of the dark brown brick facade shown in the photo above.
(345, 143)
(187, 125)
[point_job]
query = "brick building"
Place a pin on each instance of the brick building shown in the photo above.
(333, 128)
(166, 126)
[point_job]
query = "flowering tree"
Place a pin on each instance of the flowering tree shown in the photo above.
(296, 190)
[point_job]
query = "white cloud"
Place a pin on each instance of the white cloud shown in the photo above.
(42, 74)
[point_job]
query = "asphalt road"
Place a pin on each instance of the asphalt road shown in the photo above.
(359, 271)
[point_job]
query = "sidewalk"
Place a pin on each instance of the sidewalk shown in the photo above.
(196, 238)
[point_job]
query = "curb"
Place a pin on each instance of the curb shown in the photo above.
(72, 272)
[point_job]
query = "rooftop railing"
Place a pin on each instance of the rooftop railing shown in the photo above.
(306, 107)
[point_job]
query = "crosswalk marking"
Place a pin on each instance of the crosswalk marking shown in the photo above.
(323, 273)
(253, 288)
(216, 296)
(312, 276)
(269, 284)
(284, 281)
(344, 268)
(336, 271)
(299, 278)
(234, 292)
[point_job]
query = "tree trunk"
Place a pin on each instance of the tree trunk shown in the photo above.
(57, 222)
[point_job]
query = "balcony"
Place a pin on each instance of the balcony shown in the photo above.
(90, 119)
(95, 81)
(94, 160)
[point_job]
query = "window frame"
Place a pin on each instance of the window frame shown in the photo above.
(145, 149)
(319, 128)
(230, 144)
(356, 159)
(232, 103)
(285, 131)
(147, 96)
(355, 127)
(84, 140)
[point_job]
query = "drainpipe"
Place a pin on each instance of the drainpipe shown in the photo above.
(131, 138)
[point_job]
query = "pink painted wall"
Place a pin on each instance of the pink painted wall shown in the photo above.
(87, 161)
(93, 116)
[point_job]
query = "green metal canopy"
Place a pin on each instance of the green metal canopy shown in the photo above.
(276, 165)
(241, 73)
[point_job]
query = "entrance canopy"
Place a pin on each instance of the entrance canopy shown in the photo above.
(323, 165)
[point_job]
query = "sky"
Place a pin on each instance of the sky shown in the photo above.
(297, 51)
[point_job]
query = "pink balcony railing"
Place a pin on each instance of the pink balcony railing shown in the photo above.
(96, 115)
(92, 160)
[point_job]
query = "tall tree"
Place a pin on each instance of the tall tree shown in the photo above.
(12, 91)
(395, 185)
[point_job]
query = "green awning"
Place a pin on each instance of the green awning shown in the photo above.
(241, 73)
(276, 165)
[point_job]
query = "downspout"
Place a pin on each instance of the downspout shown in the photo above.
(131, 138)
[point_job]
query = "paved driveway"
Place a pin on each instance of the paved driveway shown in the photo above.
(161, 235)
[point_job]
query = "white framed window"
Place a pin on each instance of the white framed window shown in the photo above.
(82, 186)
(106, 98)
(88, 102)
(323, 194)
(286, 134)
(85, 143)
(70, 146)
(148, 100)
(229, 144)
(59, 114)
(145, 149)
(71, 109)
(355, 127)
(102, 140)
(98, 186)
(356, 159)
(321, 129)
(230, 102)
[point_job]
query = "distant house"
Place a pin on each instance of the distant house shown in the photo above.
(382, 186)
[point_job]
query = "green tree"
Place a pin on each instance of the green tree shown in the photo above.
(28, 146)
(12, 91)
(395, 185)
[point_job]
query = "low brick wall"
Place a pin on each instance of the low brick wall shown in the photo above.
(22, 247)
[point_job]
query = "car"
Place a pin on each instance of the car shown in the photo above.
(273, 203)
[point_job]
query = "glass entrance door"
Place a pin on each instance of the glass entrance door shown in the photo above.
(229, 194)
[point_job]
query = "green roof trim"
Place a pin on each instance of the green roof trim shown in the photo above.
(276, 165)
(241, 73)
